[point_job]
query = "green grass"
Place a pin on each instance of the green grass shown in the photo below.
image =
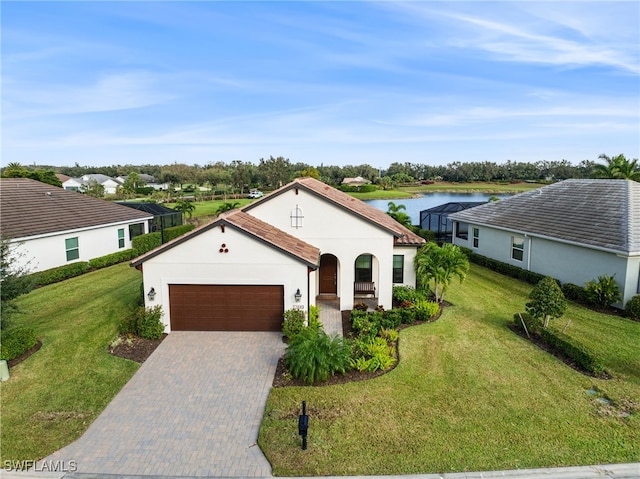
(208, 208)
(53, 396)
(382, 195)
(468, 394)
(482, 187)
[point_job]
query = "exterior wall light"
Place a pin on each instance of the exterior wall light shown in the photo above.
(151, 294)
(298, 295)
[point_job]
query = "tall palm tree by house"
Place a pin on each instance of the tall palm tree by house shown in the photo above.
(438, 265)
(397, 212)
(617, 167)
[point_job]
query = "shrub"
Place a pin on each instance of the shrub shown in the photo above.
(632, 308)
(408, 315)
(389, 335)
(360, 307)
(60, 273)
(149, 323)
(425, 310)
(111, 259)
(575, 293)
(503, 268)
(604, 291)
(145, 243)
(175, 231)
(17, 341)
(314, 356)
(547, 301)
(534, 325)
(561, 344)
(314, 317)
(365, 323)
(407, 294)
(392, 319)
(374, 354)
(293, 323)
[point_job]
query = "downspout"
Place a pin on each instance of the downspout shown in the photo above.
(529, 252)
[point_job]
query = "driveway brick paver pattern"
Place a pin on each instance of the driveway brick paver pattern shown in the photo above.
(192, 409)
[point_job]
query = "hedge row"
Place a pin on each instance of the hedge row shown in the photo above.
(175, 231)
(562, 344)
(503, 268)
(15, 342)
(144, 243)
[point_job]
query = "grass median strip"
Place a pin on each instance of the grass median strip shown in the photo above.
(468, 394)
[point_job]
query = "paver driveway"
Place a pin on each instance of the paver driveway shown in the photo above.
(193, 409)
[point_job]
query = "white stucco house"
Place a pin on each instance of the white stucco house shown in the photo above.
(574, 231)
(303, 243)
(49, 226)
(109, 184)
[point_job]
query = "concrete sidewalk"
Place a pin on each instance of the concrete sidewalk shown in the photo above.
(610, 471)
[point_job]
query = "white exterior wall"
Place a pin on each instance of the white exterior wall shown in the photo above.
(247, 262)
(338, 232)
(110, 187)
(409, 254)
(566, 262)
(46, 252)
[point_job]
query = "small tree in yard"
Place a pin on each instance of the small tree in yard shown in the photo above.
(439, 264)
(547, 301)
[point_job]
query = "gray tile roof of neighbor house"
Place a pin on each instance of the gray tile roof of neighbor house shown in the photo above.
(603, 214)
(30, 208)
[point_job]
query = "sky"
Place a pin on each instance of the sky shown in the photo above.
(318, 82)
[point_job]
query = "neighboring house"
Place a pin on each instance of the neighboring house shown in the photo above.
(148, 181)
(357, 181)
(52, 227)
(436, 219)
(303, 242)
(110, 185)
(163, 217)
(574, 231)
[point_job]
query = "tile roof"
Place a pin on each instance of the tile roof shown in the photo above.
(255, 228)
(30, 208)
(402, 235)
(604, 214)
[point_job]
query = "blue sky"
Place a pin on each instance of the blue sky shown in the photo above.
(333, 82)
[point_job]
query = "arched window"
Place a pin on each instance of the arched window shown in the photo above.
(296, 217)
(364, 264)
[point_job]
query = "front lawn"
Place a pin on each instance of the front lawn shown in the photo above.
(468, 394)
(54, 395)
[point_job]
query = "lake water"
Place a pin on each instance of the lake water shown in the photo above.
(415, 205)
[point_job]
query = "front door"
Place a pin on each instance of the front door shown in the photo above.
(328, 274)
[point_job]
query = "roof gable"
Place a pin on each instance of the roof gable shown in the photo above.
(604, 214)
(356, 207)
(31, 208)
(255, 228)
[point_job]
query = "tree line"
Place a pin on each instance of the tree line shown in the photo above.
(273, 172)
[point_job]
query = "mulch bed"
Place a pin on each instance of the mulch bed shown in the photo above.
(135, 348)
(283, 379)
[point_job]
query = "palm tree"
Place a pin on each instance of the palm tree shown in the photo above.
(617, 167)
(186, 206)
(439, 264)
(397, 213)
(228, 206)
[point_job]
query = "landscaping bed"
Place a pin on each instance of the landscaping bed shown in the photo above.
(134, 348)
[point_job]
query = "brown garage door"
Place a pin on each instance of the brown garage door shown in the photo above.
(196, 307)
